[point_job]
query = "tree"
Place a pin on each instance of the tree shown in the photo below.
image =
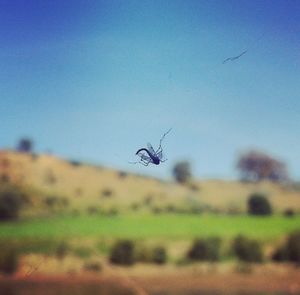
(11, 201)
(247, 250)
(25, 145)
(182, 171)
(259, 205)
(123, 253)
(205, 249)
(256, 166)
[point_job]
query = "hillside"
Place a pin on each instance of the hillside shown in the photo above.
(76, 186)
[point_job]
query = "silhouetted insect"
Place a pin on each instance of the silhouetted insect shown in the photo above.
(149, 155)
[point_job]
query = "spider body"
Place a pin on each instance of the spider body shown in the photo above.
(154, 157)
(149, 155)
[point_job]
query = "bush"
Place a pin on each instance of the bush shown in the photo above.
(11, 201)
(122, 174)
(107, 193)
(159, 255)
(93, 266)
(75, 163)
(247, 250)
(156, 255)
(289, 213)
(50, 201)
(25, 145)
(82, 252)
(290, 250)
(112, 212)
(205, 249)
(135, 206)
(91, 210)
(157, 210)
(62, 250)
(123, 253)
(56, 203)
(9, 260)
(281, 254)
(182, 172)
(259, 205)
(293, 247)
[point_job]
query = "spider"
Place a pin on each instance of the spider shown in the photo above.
(149, 155)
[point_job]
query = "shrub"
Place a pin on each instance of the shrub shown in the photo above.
(182, 172)
(157, 210)
(123, 253)
(258, 204)
(112, 211)
(194, 187)
(156, 255)
(170, 208)
(25, 145)
(159, 255)
(289, 213)
(56, 203)
(93, 266)
(34, 156)
(82, 252)
(11, 201)
(91, 210)
(135, 206)
(122, 174)
(107, 193)
(9, 260)
(62, 250)
(50, 201)
(290, 250)
(143, 254)
(293, 247)
(247, 250)
(281, 254)
(205, 249)
(75, 163)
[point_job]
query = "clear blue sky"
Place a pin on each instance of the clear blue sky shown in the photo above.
(96, 80)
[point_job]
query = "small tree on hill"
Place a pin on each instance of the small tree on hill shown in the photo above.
(256, 166)
(25, 145)
(182, 171)
(258, 204)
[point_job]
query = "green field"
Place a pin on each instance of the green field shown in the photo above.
(165, 226)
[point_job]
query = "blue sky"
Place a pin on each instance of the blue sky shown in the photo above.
(96, 80)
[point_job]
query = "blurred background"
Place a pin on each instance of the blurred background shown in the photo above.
(85, 84)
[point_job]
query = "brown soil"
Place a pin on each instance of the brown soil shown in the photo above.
(144, 280)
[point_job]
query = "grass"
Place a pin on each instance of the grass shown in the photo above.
(163, 226)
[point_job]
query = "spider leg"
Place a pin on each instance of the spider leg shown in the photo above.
(160, 142)
(158, 150)
(164, 160)
(144, 163)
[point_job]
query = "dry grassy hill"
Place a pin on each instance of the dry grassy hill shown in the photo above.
(86, 187)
